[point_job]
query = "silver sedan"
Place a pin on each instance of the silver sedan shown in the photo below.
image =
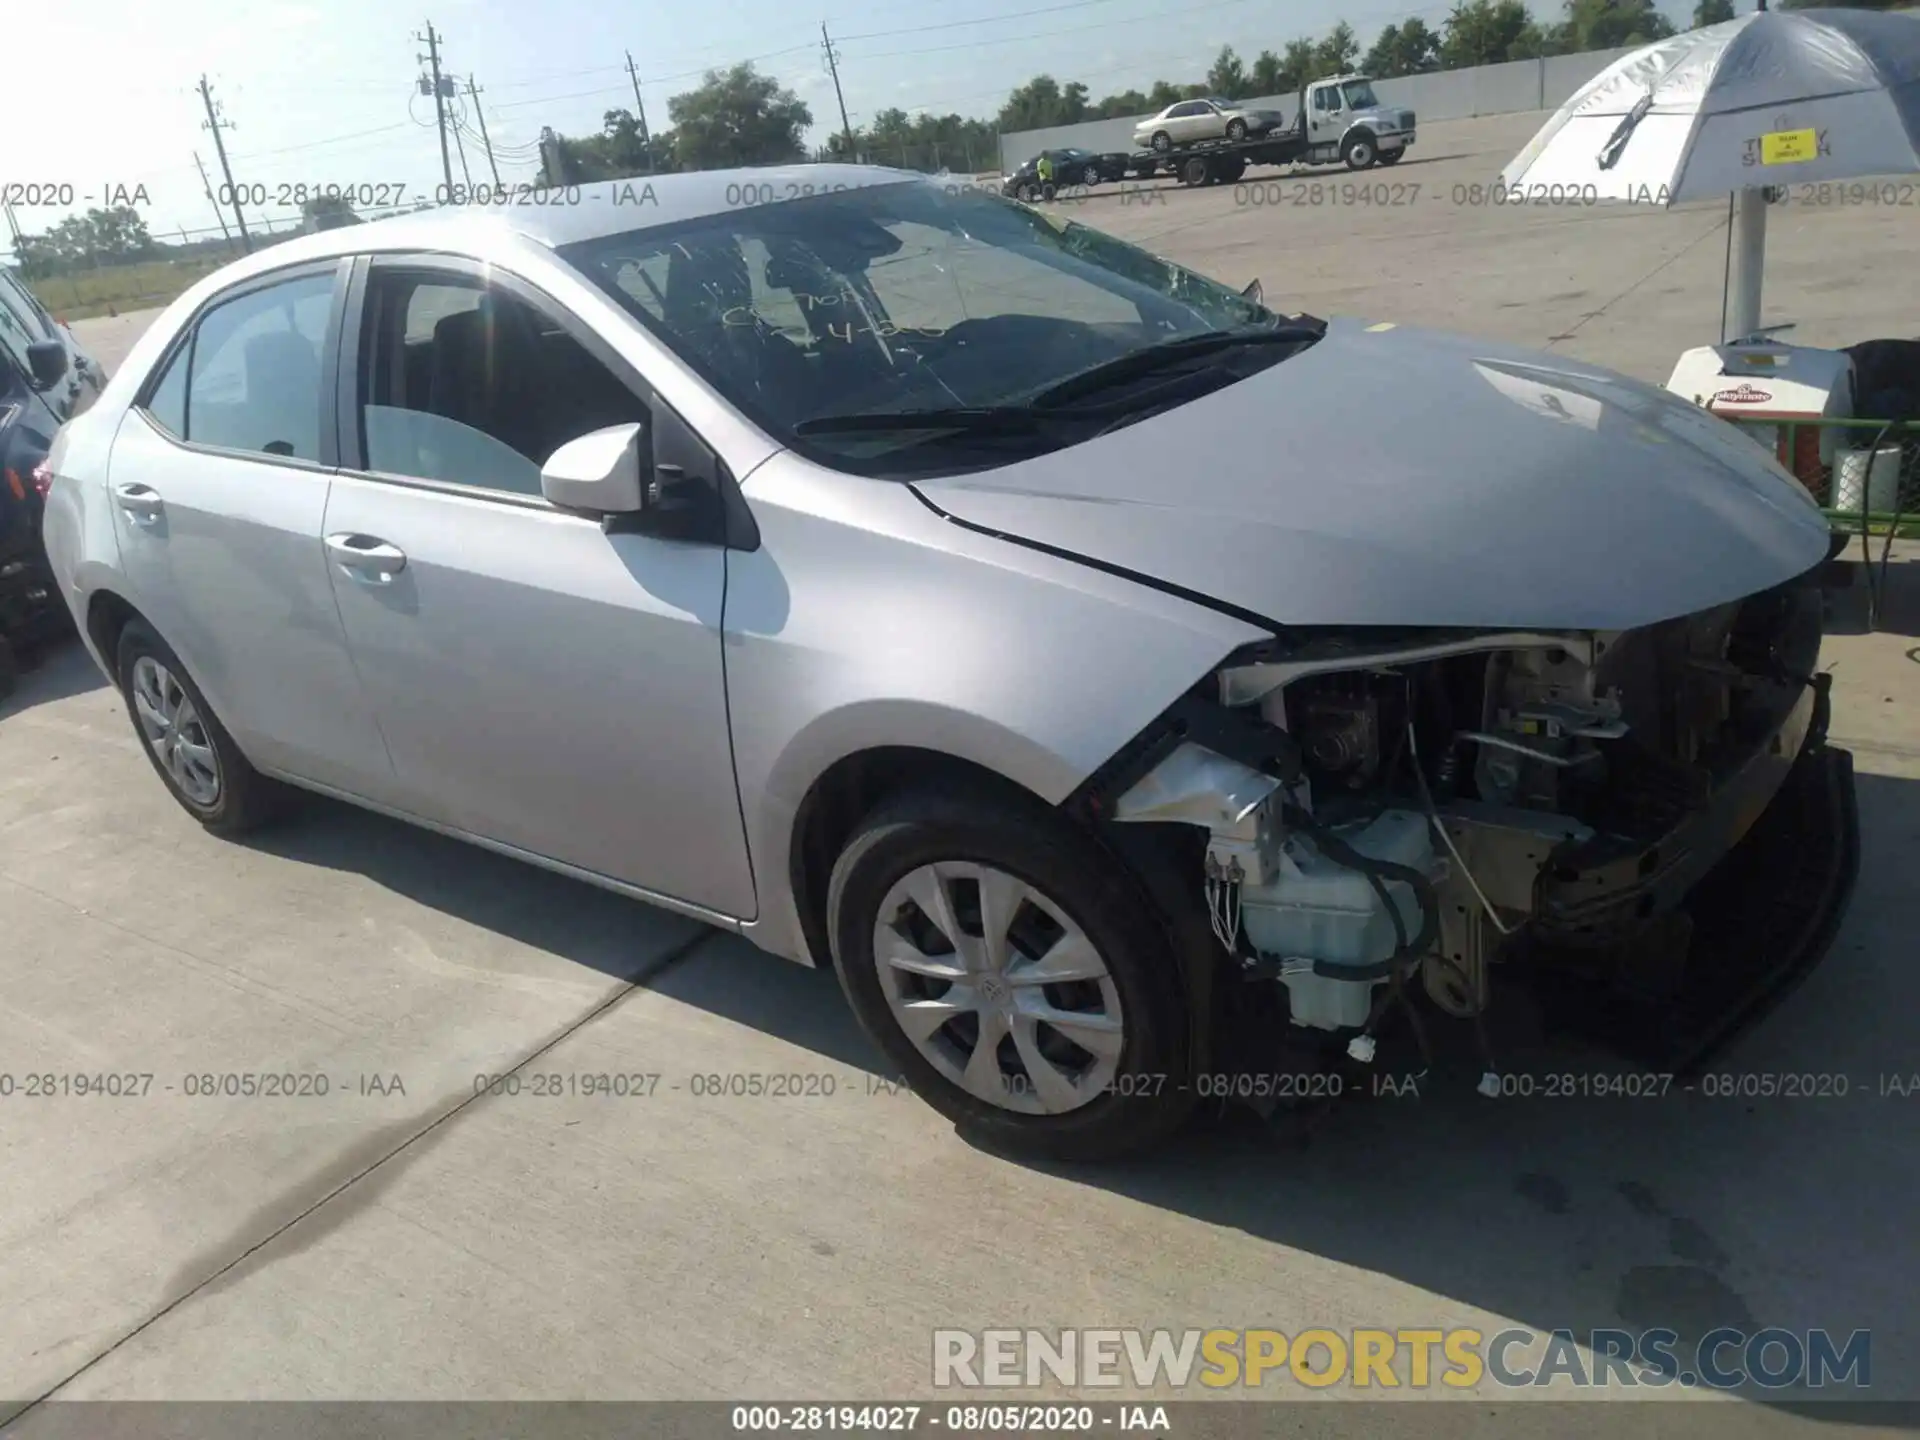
(1071, 652)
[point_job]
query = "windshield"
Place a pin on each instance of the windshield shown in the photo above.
(1360, 95)
(897, 298)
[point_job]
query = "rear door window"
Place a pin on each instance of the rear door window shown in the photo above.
(249, 376)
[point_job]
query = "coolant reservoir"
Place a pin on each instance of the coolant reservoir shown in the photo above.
(1317, 910)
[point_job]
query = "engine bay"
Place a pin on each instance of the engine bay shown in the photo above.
(1423, 810)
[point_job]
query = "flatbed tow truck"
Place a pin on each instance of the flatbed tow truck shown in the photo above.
(1340, 122)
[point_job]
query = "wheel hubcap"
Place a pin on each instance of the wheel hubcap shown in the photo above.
(998, 988)
(175, 732)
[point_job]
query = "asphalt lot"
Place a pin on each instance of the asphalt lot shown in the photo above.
(399, 1238)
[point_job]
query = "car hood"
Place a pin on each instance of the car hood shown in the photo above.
(1391, 476)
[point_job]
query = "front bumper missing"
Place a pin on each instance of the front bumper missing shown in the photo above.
(1674, 990)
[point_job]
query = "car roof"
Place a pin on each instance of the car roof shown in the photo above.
(567, 214)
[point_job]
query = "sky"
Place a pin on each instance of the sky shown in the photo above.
(324, 92)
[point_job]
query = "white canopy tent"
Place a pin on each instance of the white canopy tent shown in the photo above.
(1772, 98)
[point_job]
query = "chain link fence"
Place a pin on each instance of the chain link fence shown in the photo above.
(1865, 473)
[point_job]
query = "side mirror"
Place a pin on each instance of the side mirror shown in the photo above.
(600, 473)
(47, 360)
(1252, 292)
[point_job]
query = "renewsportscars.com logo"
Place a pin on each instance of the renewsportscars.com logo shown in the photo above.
(1416, 1359)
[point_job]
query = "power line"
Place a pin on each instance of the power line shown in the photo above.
(654, 79)
(1047, 34)
(982, 20)
(329, 140)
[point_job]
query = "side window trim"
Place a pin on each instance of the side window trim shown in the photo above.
(183, 344)
(740, 531)
(351, 373)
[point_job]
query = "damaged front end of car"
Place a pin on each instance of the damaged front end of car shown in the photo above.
(1645, 828)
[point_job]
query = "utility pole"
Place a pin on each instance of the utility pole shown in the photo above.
(833, 68)
(640, 112)
(432, 57)
(216, 124)
(218, 214)
(461, 146)
(473, 94)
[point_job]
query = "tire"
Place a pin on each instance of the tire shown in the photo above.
(1047, 192)
(222, 791)
(1196, 172)
(1232, 170)
(1359, 152)
(1039, 1092)
(1236, 130)
(1162, 142)
(1031, 194)
(1390, 157)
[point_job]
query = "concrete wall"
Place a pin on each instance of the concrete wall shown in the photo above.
(1516, 85)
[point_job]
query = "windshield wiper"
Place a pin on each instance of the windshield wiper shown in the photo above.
(1150, 358)
(993, 419)
(1050, 404)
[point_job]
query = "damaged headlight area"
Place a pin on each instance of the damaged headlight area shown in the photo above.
(1385, 821)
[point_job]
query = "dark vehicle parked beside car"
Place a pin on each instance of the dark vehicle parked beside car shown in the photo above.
(36, 397)
(1070, 167)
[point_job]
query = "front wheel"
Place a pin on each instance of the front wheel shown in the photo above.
(1162, 142)
(1360, 153)
(1236, 130)
(1013, 973)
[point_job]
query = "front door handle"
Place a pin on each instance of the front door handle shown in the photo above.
(366, 558)
(141, 503)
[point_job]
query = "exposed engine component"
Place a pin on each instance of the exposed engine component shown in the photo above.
(1450, 800)
(1332, 932)
(1539, 717)
(1340, 736)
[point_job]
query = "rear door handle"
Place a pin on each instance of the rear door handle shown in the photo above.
(142, 503)
(366, 558)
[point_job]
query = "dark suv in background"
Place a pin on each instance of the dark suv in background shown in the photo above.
(45, 380)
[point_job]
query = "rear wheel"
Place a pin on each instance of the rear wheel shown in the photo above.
(1162, 142)
(184, 740)
(1013, 973)
(1236, 130)
(1196, 171)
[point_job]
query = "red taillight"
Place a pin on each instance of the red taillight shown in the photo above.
(43, 478)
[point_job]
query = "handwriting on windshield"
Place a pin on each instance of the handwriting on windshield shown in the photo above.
(747, 315)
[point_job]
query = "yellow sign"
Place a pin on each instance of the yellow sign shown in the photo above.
(1789, 147)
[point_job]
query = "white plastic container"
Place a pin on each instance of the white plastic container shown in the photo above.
(1851, 481)
(1316, 911)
